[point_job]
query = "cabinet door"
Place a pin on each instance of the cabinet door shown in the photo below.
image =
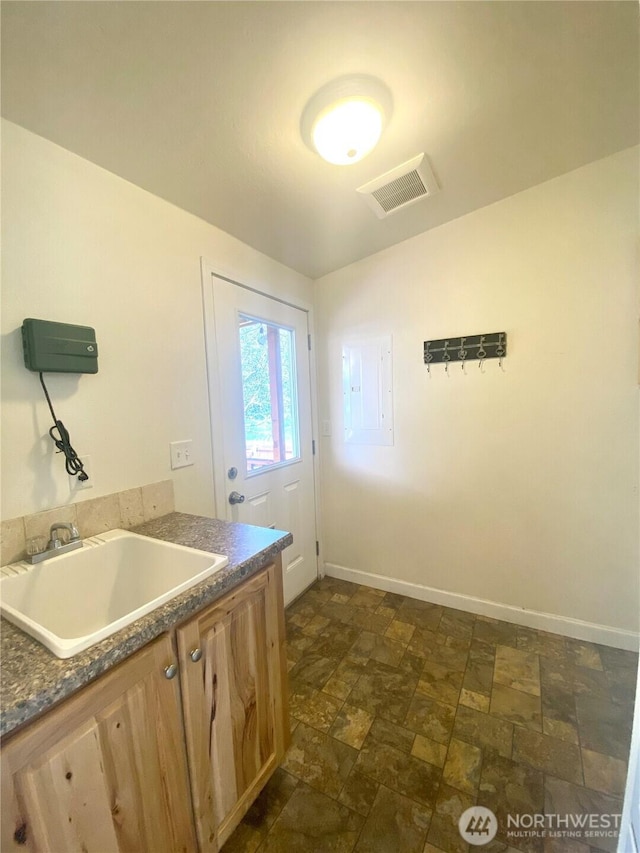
(234, 712)
(106, 770)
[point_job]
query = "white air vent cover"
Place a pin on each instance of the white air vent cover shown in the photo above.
(400, 187)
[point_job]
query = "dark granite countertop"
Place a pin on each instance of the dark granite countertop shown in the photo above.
(33, 679)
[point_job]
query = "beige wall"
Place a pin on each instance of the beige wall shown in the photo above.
(81, 245)
(518, 487)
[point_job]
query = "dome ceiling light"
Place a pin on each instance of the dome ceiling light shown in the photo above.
(344, 120)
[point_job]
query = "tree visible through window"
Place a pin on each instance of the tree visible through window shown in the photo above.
(267, 354)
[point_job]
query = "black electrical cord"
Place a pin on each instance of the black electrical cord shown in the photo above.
(72, 464)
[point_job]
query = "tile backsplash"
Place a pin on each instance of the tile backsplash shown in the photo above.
(122, 509)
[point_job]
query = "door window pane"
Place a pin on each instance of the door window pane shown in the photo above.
(267, 354)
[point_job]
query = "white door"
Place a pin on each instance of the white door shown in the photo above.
(262, 385)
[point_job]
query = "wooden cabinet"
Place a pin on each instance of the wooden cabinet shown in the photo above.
(106, 770)
(143, 763)
(233, 691)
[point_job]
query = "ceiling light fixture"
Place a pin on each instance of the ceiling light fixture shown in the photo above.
(344, 120)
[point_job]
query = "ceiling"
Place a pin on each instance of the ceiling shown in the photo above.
(200, 103)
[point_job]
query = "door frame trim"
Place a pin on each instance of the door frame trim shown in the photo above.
(208, 271)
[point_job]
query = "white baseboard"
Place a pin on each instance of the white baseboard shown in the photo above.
(575, 628)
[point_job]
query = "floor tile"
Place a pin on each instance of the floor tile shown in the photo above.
(443, 830)
(450, 654)
(548, 645)
(336, 640)
(396, 823)
(400, 631)
(604, 727)
(314, 669)
(423, 642)
(359, 792)
(563, 798)
(481, 651)
(411, 664)
(386, 611)
(319, 760)
(384, 691)
(336, 688)
(370, 646)
(349, 670)
(617, 658)
(559, 703)
(485, 731)
(340, 598)
(298, 641)
(470, 699)
(378, 762)
(311, 706)
(456, 623)
(367, 597)
(399, 771)
(603, 773)
(560, 730)
(440, 682)
(244, 839)
(313, 823)
(579, 680)
(300, 613)
(583, 654)
(351, 725)
(516, 706)
(316, 625)
(392, 734)
(517, 669)
(510, 788)
(371, 620)
(622, 685)
(430, 718)
(422, 614)
(429, 750)
(338, 611)
(558, 757)
(462, 766)
(495, 632)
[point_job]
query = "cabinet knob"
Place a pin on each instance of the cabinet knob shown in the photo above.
(171, 671)
(195, 655)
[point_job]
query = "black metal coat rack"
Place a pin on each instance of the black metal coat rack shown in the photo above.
(468, 348)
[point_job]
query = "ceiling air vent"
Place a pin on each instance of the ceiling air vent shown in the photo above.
(400, 187)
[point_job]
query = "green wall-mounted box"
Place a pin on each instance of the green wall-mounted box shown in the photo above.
(59, 347)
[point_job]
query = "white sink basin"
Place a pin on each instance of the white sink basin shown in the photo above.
(72, 601)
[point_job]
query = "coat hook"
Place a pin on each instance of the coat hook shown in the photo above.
(482, 354)
(500, 353)
(446, 357)
(462, 354)
(428, 358)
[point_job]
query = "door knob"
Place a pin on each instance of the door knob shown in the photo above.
(171, 671)
(195, 655)
(236, 498)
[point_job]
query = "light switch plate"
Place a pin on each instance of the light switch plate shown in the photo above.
(181, 453)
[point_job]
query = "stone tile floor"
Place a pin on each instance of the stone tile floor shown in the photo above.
(405, 713)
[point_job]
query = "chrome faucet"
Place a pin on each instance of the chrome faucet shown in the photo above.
(55, 542)
(56, 545)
